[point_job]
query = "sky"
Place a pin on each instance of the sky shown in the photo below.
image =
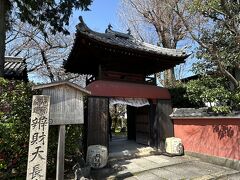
(102, 12)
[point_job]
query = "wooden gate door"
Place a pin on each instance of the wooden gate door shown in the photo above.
(142, 125)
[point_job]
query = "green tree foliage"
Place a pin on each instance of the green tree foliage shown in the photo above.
(219, 39)
(51, 14)
(180, 98)
(212, 90)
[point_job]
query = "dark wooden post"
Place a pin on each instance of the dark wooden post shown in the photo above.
(161, 127)
(131, 122)
(97, 132)
(153, 132)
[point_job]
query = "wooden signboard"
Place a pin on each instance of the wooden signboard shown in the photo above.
(38, 140)
(66, 102)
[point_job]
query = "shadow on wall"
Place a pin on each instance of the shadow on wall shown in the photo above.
(215, 137)
(223, 131)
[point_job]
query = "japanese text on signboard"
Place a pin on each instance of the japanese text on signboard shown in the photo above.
(38, 140)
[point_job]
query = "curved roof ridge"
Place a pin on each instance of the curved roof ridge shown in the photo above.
(83, 28)
(178, 52)
(120, 34)
(127, 40)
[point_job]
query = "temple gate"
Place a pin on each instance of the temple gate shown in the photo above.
(120, 66)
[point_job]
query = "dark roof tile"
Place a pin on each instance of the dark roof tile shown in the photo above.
(15, 68)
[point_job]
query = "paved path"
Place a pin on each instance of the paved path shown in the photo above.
(159, 167)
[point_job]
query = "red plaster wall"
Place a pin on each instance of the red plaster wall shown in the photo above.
(211, 136)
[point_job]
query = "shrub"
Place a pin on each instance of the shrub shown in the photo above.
(73, 148)
(15, 111)
(180, 98)
(212, 90)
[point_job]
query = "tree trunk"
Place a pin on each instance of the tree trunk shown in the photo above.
(45, 61)
(169, 78)
(3, 10)
(169, 74)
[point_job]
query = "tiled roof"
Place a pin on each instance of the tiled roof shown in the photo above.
(200, 112)
(127, 41)
(15, 68)
(61, 83)
(118, 52)
(190, 112)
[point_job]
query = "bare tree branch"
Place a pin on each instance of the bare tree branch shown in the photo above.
(44, 55)
(159, 16)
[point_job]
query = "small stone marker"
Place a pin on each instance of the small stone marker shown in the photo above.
(174, 146)
(38, 140)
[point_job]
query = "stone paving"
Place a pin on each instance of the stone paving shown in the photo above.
(159, 167)
(131, 161)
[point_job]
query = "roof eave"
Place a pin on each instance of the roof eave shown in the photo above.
(59, 83)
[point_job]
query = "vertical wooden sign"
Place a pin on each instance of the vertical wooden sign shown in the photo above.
(38, 140)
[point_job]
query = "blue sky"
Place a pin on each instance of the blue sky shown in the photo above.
(102, 12)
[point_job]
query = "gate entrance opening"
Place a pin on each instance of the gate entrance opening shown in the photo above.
(130, 119)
